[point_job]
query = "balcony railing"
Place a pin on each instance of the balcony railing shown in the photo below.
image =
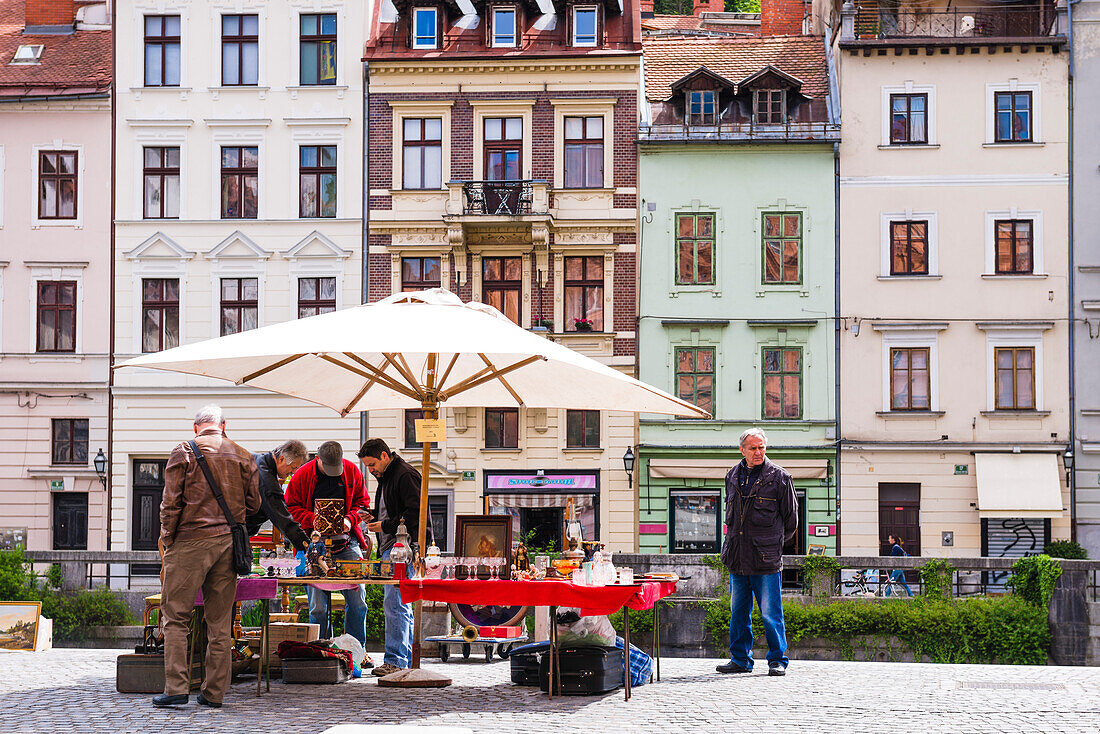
(497, 198)
(748, 132)
(989, 21)
(556, 41)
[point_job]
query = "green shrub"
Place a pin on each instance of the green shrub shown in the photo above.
(641, 622)
(1067, 549)
(1033, 579)
(73, 615)
(1002, 630)
(936, 576)
(814, 566)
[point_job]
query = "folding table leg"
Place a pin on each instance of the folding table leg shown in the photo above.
(555, 672)
(626, 650)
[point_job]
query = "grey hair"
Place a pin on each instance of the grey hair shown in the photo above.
(330, 452)
(759, 433)
(293, 451)
(210, 414)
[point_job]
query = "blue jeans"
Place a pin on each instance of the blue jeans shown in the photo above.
(899, 576)
(355, 603)
(399, 625)
(766, 588)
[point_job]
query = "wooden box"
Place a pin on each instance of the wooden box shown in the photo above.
(145, 673)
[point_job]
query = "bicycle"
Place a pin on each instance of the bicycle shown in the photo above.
(865, 582)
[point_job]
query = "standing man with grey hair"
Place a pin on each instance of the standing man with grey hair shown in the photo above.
(761, 515)
(274, 467)
(198, 552)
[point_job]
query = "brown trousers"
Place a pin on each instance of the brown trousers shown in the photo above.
(190, 565)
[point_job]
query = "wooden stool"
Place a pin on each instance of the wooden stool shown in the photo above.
(151, 602)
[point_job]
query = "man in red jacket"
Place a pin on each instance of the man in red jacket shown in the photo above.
(330, 476)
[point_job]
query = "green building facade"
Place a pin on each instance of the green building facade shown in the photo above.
(737, 274)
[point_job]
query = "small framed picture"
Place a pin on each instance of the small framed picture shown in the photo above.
(485, 536)
(19, 624)
(815, 550)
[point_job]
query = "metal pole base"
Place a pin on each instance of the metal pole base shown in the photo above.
(414, 678)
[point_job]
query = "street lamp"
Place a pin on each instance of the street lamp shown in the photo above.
(628, 465)
(1067, 460)
(100, 464)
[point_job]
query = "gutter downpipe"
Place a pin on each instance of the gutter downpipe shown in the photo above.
(835, 108)
(1072, 475)
(111, 286)
(364, 275)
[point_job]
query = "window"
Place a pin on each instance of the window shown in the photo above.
(240, 50)
(582, 429)
(782, 248)
(695, 523)
(782, 383)
(162, 50)
(425, 28)
(1015, 378)
(240, 305)
(695, 376)
(910, 379)
(504, 27)
(317, 48)
(909, 248)
(240, 182)
(69, 444)
(503, 148)
(419, 273)
(57, 180)
(1013, 111)
(160, 314)
(502, 428)
(422, 166)
(694, 249)
(27, 54)
(583, 152)
(908, 119)
(701, 107)
(1014, 246)
(411, 417)
(56, 316)
(501, 282)
(316, 296)
(162, 183)
(584, 293)
(769, 106)
(585, 26)
(317, 181)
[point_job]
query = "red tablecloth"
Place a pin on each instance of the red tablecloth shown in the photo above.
(591, 600)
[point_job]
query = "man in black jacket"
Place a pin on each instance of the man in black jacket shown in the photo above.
(396, 500)
(274, 467)
(761, 515)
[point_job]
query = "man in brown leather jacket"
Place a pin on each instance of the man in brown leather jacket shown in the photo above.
(198, 554)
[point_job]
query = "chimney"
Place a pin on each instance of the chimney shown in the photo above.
(49, 15)
(781, 17)
(647, 8)
(708, 6)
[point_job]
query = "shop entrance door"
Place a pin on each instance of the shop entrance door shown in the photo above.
(899, 515)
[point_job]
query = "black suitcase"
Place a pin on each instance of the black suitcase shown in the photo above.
(584, 671)
(525, 668)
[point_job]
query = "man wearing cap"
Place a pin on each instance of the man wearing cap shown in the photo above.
(331, 476)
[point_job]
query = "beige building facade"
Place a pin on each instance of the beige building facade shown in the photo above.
(954, 242)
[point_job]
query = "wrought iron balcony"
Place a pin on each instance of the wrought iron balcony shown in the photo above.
(874, 21)
(497, 198)
(741, 132)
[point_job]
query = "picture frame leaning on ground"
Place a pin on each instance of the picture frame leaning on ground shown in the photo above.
(19, 624)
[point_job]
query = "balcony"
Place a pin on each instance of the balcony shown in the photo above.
(871, 23)
(805, 132)
(498, 199)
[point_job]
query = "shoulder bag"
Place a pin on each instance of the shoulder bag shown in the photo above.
(242, 550)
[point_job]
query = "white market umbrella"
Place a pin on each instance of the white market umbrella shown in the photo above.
(416, 350)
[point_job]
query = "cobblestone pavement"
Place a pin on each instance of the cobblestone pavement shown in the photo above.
(73, 691)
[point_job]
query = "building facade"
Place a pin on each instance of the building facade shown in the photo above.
(55, 240)
(736, 162)
(954, 383)
(239, 204)
(1085, 16)
(502, 167)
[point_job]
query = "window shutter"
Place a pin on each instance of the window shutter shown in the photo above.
(440, 19)
(569, 24)
(599, 25)
(411, 20)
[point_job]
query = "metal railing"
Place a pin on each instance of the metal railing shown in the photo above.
(988, 21)
(119, 570)
(498, 198)
(741, 131)
(556, 41)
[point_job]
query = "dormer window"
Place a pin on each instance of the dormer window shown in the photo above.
(769, 106)
(425, 28)
(585, 25)
(504, 33)
(702, 107)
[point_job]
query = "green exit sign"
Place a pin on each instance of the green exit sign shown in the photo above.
(467, 475)
(962, 469)
(57, 485)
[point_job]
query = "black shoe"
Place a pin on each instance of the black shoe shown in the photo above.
(777, 669)
(732, 667)
(204, 701)
(164, 700)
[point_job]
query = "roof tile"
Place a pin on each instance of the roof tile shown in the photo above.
(75, 63)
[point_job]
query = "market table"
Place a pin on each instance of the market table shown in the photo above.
(590, 600)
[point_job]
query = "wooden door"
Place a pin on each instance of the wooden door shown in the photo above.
(70, 521)
(145, 510)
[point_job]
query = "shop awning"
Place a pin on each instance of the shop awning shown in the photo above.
(1019, 485)
(714, 469)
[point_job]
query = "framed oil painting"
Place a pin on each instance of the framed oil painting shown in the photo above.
(485, 536)
(19, 624)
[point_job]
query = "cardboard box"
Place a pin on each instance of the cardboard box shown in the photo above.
(296, 631)
(44, 641)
